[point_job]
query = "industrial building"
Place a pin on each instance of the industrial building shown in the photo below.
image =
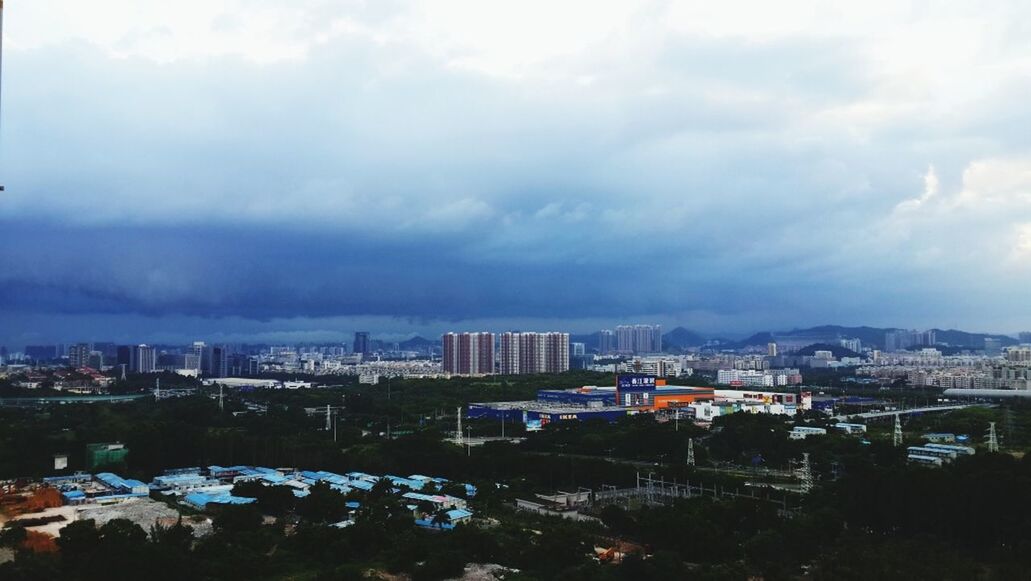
(201, 488)
(99, 455)
(803, 432)
(102, 488)
(634, 394)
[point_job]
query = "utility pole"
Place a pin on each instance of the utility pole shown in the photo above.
(993, 440)
(677, 420)
(690, 451)
(157, 389)
(896, 437)
(327, 417)
(221, 399)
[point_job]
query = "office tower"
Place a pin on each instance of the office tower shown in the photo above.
(523, 353)
(41, 352)
(468, 353)
(771, 349)
(362, 343)
(216, 361)
(78, 354)
(606, 342)
(109, 350)
(191, 361)
(146, 359)
(126, 355)
(639, 338)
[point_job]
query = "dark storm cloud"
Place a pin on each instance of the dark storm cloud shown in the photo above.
(734, 180)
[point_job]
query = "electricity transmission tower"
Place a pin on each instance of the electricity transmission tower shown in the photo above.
(805, 474)
(993, 439)
(690, 451)
(896, 437)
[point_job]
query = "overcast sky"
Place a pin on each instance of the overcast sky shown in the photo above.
(289, 171)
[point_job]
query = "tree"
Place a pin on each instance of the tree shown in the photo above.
(78, 540)
(323, 504)
(13, 535)
(237, 518)
(178, 536)
(122, 534)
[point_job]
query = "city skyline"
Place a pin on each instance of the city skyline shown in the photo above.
(244, 174)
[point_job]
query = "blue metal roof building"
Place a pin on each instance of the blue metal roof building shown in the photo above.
(201, 500)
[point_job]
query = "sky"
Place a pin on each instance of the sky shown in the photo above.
(295, 171)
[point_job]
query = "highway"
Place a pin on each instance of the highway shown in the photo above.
(923, 410)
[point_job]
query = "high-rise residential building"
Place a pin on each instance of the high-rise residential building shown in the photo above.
(524, 353)
(146, 359)
(901, 339)
(1020, 354)
(992, 346)
(578, 349)
(78, 354)
(771, 349)
(639, 338)
(606, 342)
(468, 353)
(854, 344)
(362, 342)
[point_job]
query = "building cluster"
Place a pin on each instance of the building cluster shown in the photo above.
(510, 353)
(753, 378)
(929, 368)
(631, 340)
(202, 488)
(901, 339)
(636, 394)
(935, 454)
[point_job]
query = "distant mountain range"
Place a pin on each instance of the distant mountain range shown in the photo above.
(681, 338)
(869, 336)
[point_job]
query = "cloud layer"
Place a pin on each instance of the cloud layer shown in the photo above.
(252, 167)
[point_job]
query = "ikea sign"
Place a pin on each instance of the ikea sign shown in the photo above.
(635, 381)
